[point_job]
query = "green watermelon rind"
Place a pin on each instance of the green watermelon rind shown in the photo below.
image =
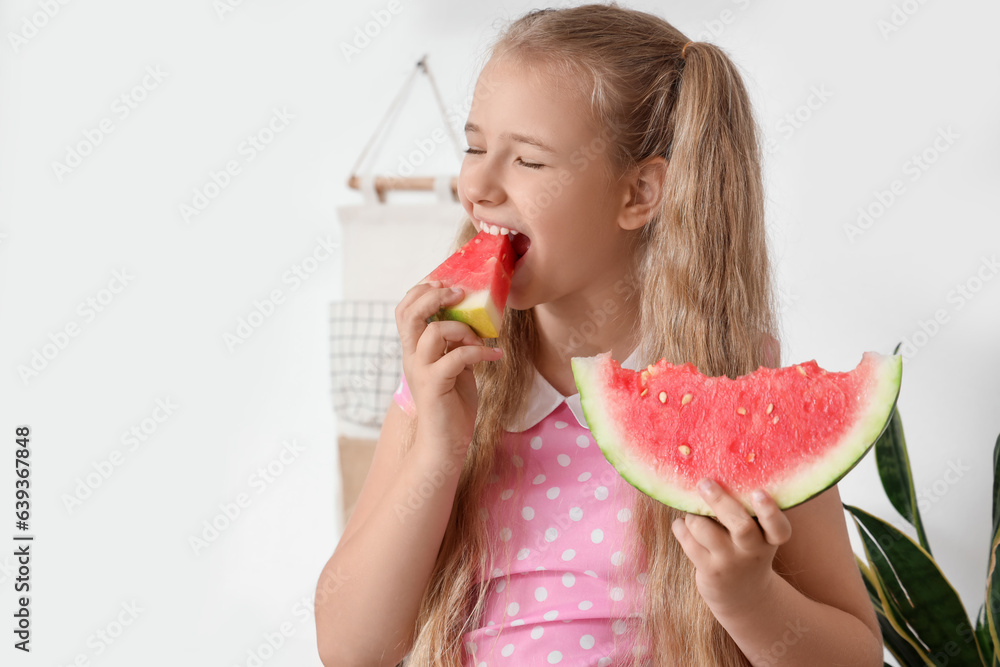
(794, 489)
(464, 310)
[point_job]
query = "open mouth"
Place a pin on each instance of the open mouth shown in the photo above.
(518, 240)
(520, 243)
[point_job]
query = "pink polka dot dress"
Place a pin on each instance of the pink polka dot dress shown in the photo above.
(573, 596)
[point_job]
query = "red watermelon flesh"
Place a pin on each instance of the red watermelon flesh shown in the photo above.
(483, 267)
(793, 431)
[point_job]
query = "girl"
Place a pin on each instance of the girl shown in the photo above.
(624, 161)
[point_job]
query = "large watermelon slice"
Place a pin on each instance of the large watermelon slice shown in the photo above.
(792, 431)
(483, 268)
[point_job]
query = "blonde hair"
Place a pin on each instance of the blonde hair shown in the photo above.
(702, 281)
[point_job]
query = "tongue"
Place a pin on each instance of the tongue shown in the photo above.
(521, 244)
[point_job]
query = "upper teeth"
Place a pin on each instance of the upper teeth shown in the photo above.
(495, 230)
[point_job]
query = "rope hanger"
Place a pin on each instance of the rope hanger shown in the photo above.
(384, 184)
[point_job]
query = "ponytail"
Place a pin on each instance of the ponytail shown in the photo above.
(712, 231)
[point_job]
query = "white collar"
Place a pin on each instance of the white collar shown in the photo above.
(544, 398)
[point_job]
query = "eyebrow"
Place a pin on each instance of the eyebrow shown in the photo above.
(514, 136)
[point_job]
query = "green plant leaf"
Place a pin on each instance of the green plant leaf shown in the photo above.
(993, 573)
(915, 594)
(897, 480)
(896, 638)
(983, 635)
(996, 486)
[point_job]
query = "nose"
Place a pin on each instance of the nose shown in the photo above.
(479, 184)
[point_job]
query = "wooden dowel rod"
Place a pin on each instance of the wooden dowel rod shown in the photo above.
(384, 184)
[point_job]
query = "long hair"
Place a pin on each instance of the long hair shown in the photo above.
(702, 282)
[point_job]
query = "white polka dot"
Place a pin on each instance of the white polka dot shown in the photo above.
(497, 572)
(494, 478)
(618, 627)
(561, 424)
(506, 494)
(537, 631)
(550, 615)
(519, 621)
(482, 664)
(624, 514)
(471, 647)
(616, 558)
(597, 536)
(582, 441)
(484, 513)
(604, 662)
(575, 513)
(601, 492)
(528, 513)
(541, 594)
(502, 584)
(563, 460)
(507, 650)
(552, 493)
(585, 605)
(568, 554)
(587, 641)
(641, 577)
(518, 461)
(513, 608)
(492, 632)
(539, 568)
(569, 579)
(617, 594)
(555, 657)
(584, 476)
(505, 534)
(538, 479)
(551, 534)
(523, 553)
(536, 443)
(590, 573)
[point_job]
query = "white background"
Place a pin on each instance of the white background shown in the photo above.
(887, 96)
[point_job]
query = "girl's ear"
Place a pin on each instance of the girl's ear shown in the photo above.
(642, 193)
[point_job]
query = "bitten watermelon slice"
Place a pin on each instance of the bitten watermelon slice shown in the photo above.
(483, 267)
(793, 431)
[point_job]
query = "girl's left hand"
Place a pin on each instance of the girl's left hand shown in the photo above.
(733, 556)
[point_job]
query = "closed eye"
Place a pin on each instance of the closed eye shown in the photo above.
(530, 165)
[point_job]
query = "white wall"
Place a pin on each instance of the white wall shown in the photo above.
(162, 335)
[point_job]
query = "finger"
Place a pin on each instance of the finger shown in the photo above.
(441, 337)
(775, 524)
(695, 552)
(465, 357)
(710, 533)
(418, 305)
(743, 530)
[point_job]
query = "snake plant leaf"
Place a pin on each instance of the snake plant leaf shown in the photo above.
(898, 645)
(916, 593)
(983, 636)
(894, 469)
(896, 638)
(996, 486)
(993, 573)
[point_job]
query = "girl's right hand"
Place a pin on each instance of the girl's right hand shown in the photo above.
(437, 362)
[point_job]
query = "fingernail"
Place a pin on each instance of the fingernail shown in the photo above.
(435, 283)
(706, 486)
(758, 496)
(456, 290)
